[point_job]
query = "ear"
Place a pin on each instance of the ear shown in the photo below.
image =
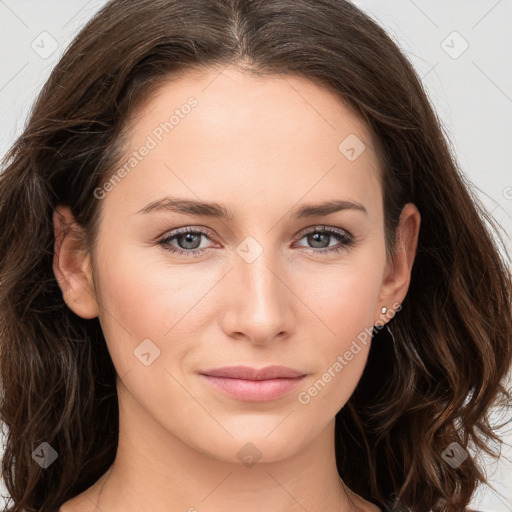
(71, 264)
(397, 275)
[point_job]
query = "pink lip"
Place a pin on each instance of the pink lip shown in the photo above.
(253, 385)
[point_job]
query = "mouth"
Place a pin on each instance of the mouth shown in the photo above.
(254, 385)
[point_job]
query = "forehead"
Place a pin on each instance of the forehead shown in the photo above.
(229, 97)
(215, 130)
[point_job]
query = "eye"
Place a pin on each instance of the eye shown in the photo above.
(189, 240)
(320, 237)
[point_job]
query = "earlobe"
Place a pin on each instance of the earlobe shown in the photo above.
(71, 264)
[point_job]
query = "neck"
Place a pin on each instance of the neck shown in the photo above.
(154, 470)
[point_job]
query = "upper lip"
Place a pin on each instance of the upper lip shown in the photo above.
(248, 373)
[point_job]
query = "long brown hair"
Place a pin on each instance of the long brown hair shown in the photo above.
(434, 384)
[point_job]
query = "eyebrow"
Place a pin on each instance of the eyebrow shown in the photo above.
(212, 209)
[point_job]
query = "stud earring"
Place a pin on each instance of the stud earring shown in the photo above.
(383, 310)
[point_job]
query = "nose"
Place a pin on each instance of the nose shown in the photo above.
(260, 305)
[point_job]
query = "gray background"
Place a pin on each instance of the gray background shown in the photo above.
(461, 50)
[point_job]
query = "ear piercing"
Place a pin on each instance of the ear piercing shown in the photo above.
(383, 310)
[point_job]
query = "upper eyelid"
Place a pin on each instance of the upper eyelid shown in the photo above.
(317, 227)
(184, 230)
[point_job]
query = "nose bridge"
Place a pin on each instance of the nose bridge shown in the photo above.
(261, 304)
(255, 266)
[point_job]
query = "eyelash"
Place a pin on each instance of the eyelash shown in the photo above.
(346, 240)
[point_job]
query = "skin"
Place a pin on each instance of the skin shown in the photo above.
(261, 147)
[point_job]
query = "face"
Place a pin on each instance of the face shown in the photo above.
(257, 278)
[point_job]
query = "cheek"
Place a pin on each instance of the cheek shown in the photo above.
(144, 298)
(345, 303)
(341, 353)
(344, 299)
(354, 301)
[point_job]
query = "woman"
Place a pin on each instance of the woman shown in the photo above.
(215, 209)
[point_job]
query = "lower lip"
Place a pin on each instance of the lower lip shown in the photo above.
(254, 390)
